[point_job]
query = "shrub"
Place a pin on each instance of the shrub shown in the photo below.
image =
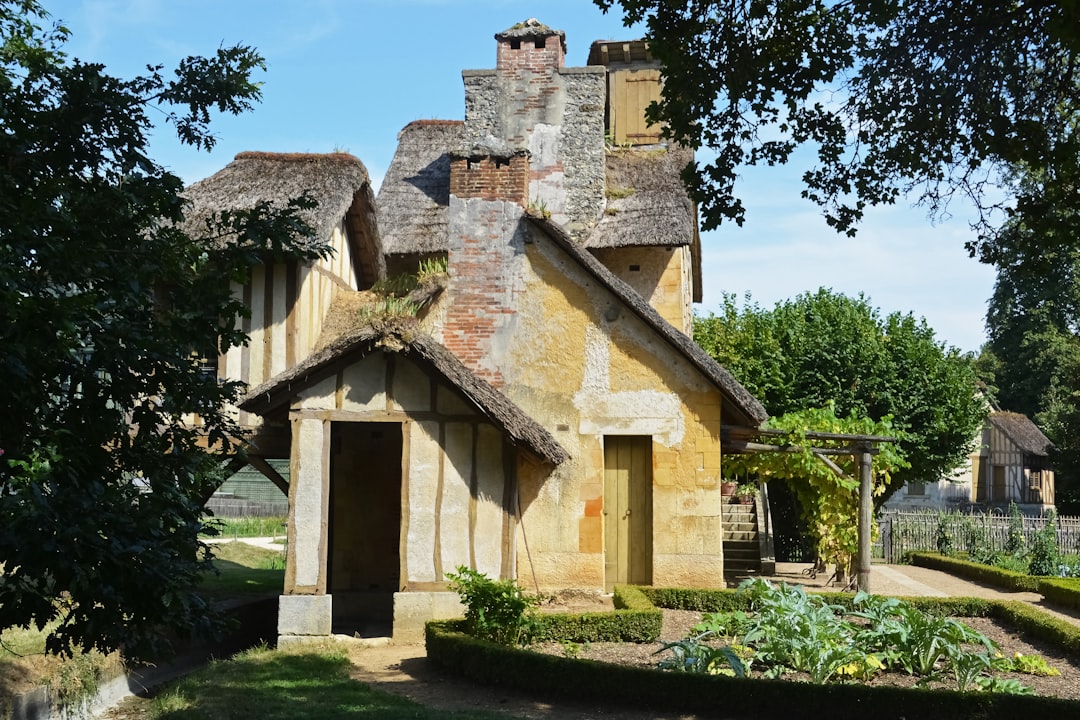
(495, 610)
(1044, 557)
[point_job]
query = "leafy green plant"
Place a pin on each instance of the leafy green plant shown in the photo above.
(495, 610)
(1043, 557)
(694, 656)
(1014, 541)
(942, 537)
(1029, 665)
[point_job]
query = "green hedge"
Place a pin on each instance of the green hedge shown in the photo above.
(1061, 591)
(1039, 625)
(619, 626)
(999, 577)
(559, 677)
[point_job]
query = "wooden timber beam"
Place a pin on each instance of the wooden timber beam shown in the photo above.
(271, 474)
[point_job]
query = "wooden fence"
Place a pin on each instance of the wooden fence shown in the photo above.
(906, 531)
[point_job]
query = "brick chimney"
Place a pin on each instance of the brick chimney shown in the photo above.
(488, 196)
(533, 135)
(531, 46)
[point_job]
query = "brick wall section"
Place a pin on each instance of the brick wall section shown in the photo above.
(529, 57)
(490, 178)
(485, 238)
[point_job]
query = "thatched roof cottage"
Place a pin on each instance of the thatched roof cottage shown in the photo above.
(545, 416)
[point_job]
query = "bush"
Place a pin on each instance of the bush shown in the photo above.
(1044, 551)
(495, 610)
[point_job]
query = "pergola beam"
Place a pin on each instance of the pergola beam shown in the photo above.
(740, 439)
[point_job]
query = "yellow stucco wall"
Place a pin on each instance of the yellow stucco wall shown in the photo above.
(584, 366)
(661, 275)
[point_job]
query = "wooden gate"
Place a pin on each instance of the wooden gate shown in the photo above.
(627, 510)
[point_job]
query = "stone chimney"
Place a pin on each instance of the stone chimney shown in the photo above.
(533, 137)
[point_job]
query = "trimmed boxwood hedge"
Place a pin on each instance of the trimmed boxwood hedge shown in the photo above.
(1058, 591)
(999, 577)
(1061, 591)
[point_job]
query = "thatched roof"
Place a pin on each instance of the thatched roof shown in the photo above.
(1021, 430)
(404, 337)
(748, 410)
(647, 203)
(415, 194)
(338, 182)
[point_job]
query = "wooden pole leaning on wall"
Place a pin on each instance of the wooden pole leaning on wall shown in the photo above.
(866, 512)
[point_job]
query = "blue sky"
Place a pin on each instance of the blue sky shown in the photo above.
(349, 74)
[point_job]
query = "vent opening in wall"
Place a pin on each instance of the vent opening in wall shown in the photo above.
(635, 268)
(515, 44)
(539, 43)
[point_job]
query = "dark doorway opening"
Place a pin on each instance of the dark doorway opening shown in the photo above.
(364, 563)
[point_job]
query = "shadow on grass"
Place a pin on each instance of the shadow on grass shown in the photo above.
(279, 685)
(233, 580)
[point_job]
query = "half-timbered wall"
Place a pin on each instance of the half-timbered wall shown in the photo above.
(288, 302)
(458, 476)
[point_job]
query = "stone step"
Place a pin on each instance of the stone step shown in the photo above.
(740, 526)
(740, 535)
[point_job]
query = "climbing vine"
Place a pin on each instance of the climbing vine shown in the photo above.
(829, 499)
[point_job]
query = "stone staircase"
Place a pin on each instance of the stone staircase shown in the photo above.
(742, 548)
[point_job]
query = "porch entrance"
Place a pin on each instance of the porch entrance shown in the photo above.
(363, 558)
(627, 510)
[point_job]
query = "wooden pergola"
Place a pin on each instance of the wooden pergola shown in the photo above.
(742, 440)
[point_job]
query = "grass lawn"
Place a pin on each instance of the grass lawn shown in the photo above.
(249, 527)
(243, 571)
(291, 684)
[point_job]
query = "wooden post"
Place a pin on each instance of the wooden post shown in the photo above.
(866, 509)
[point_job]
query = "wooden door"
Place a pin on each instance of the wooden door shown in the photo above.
(998, 493)
(627, 510)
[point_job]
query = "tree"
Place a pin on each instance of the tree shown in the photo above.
(931, 98)
(1032, 357)
(106, 307)
(826, 348)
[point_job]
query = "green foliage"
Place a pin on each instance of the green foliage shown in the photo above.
(1043, 556)
(893, 98)
(495, 610)
(248, 527)
(1032, 358)
(829, 501)
(694, 656)
(824, 347)
(790, 630)
(1014, 542)
(619, 626)
(1000, 577)
(449, 649)
(99, 466)
(1029, 665)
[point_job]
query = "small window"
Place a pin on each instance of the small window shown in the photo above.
(916, 488)
(540, 43)
(515, 44)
